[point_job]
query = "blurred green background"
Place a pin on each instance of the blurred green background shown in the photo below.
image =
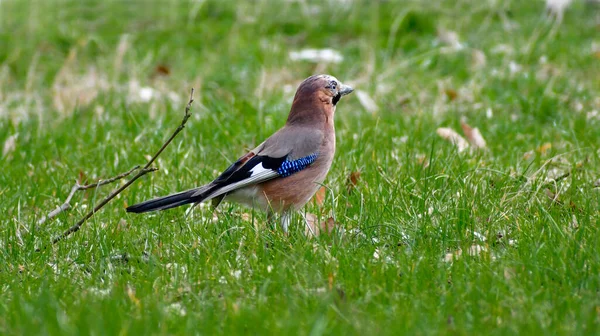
(428, 240)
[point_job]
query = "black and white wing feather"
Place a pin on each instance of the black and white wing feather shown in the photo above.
(258, 169)
(249, 170)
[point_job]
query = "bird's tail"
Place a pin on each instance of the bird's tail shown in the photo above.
(172, 201)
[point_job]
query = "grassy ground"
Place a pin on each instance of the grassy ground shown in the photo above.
(429, 241)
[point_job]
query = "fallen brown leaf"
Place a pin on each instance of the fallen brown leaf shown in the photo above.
(352, 181)
(328, 225)
(162, 70)
(314, 227)
(573, 206)
(451, 135)
(82, 177)
(473, 135)
(451, 94)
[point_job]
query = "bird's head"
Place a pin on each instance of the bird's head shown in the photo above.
(317, 97)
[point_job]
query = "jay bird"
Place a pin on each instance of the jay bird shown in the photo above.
(286, 170)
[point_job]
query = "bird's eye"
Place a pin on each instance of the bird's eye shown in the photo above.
(332, 85)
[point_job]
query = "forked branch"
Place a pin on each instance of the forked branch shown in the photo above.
(145, 170)
(67, 204)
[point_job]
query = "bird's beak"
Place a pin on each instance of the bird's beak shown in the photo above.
(345, 89)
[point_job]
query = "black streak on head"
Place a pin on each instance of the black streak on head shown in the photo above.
(336, 98)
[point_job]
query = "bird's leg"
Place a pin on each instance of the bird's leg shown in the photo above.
(271, 219)
(285, 221)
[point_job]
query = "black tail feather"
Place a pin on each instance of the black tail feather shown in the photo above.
(170, 201)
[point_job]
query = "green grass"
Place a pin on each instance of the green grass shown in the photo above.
(70, 73)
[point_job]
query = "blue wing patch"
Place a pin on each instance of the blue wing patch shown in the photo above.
(288, 168)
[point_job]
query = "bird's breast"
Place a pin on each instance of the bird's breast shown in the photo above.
(294, 191)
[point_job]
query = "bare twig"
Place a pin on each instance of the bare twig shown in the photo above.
(145, 170)
(67, 204)
(102, 203)
(110, 180)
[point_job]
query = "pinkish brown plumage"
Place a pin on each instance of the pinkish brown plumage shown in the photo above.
(285, 171)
